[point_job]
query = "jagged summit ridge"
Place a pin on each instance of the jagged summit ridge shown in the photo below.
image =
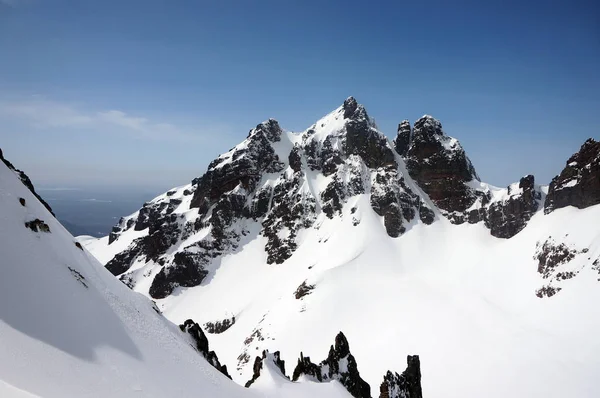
(277, 185)
(283, 181)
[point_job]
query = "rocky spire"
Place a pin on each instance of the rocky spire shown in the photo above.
(578, 184)
(440, 166)
(402, 141)
(339, 365)
(406, 385)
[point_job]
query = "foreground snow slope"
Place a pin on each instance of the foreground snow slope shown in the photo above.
(68, 328)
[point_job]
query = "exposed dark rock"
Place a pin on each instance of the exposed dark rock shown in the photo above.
(440, 166)
(363, 140)
(219, 326)
(307, 368)
(169, 278)
(578, 184)
(552, 259)
(547, 291)
(339, 365)
(22, 201)
(26, 181)
(78, 245)
(244, 168)
(294, 159)
(258, 365)
(507, 218)
(402, 141)
(550, 255)
(406, 385)
(123, 260)
(37, 225)
(303, 290)
(194, 330)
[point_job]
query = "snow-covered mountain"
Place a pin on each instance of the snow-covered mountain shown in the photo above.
(68, 328)
(289, 238)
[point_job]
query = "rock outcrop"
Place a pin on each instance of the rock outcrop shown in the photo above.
(259, 362)
(405, 385)
(578, 184)
(440, 166)
(339, 365)
(26, 181)
(201, 344)
(507, 217)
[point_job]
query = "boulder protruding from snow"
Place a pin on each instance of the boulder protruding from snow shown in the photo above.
(195, 331)
(339, 365)
(578, 184)
(405, 385)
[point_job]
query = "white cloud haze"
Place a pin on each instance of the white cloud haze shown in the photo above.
(42, 114)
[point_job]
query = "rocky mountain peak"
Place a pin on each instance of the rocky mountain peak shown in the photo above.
(350, 106)
(269, 129)
(428, 126)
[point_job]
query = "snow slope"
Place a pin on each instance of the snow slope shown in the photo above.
(68, 328)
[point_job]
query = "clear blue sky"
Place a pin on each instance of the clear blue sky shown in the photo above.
(148, 92)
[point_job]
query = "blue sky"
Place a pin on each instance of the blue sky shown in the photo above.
(146, 93)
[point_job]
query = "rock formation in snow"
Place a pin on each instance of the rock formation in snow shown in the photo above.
(405, 385)
(339, 365)
(258, 365)
(579, 182)
(197, 334)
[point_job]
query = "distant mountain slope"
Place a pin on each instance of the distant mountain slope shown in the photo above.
(289, 238)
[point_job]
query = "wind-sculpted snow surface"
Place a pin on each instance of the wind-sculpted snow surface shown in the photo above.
(399, 244)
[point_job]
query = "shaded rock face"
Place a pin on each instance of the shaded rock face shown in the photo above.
(26, 181)
(508, 217)
(439, 165)
(267, 179)
(258, 365)
(406, 385)
(201, 344)
(578, 184)
(402, 141)
(339, 365)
